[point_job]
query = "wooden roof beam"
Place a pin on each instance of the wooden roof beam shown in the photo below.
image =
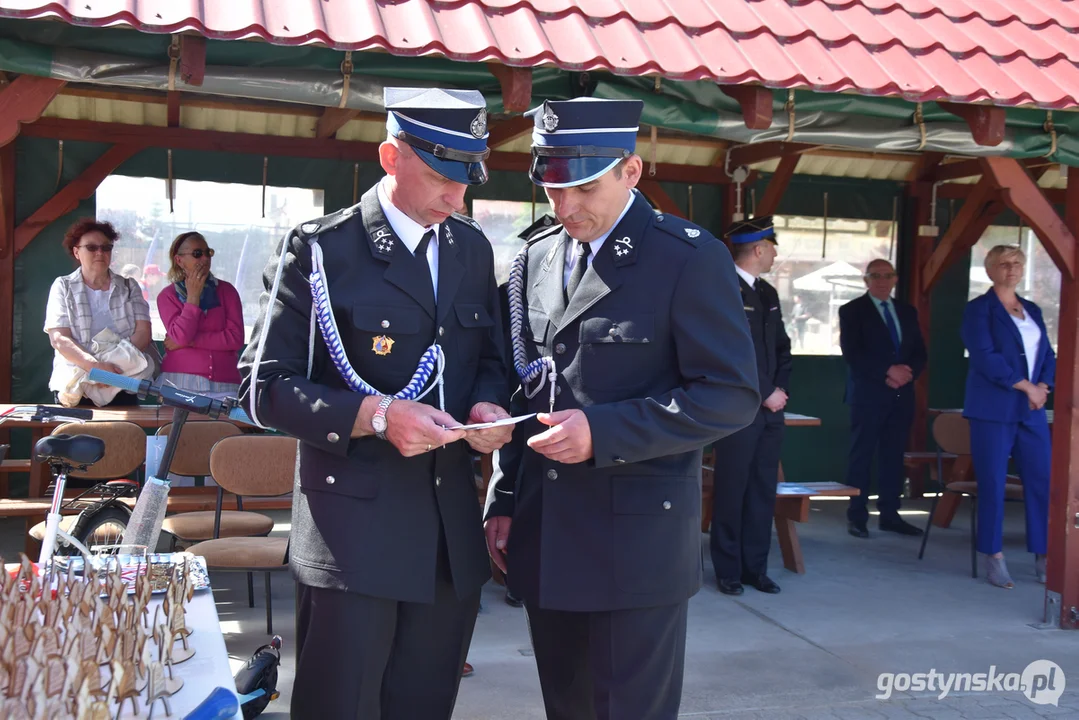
(192, 59)
(969, 224)
(777, 186)
(332, 120)
(516, 86)
(23, 101)
(507, 131)
(1021, 193)
(659, 197)
(756, 104)
(71, 194)
(985, 121)
(973, 166)
(753, 153)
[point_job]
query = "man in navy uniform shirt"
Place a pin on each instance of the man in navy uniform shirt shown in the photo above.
(387, 544)
(747, 462)
(595, 505)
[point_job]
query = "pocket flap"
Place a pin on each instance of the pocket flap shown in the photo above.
(471, 315)
(538, 322)
(651, 495)
(386, 319)
(322, 472)
(630, 329)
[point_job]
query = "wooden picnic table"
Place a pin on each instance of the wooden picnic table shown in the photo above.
(792, 506)
(145, 416)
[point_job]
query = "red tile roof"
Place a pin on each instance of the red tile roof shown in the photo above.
(1007, 52)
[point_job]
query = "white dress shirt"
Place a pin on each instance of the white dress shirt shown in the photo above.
(1032, 337)
(410, 232)
(571, 248)
(750, 279)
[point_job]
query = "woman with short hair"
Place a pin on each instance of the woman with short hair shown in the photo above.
(1012, 371)
(90, 300)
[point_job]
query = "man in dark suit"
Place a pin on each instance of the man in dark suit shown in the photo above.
(635, 352)
(386, 542)
(882, 344)
(747, 462)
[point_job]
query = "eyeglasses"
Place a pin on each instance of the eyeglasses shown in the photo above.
(96, 248)
(197, 254)
(880, 276)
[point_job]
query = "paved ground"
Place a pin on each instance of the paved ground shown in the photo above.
(814, 651)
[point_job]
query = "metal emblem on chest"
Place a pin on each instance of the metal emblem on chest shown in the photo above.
(383, 345)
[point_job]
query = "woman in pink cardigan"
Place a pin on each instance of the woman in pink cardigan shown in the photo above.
(203, 320)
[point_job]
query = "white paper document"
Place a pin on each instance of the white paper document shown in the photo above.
(496, 423)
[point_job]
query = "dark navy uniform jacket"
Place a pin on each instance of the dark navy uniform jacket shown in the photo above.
(655, 349)
(773, 346)
(364, 518)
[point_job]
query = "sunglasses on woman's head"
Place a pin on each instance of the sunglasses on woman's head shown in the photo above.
(197, 254)
(96, 248)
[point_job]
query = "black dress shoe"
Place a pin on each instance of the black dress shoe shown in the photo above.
(899, 525)
(858, 530)
(730, 587)
(762, 582)
(513, 601)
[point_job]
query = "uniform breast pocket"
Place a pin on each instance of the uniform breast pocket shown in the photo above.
(538, 327)
(475, 324)
(382, 338)
(615, 351)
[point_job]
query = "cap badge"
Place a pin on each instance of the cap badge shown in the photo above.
(479, 125)
(383, 345)
(550, 120)
(693, 232)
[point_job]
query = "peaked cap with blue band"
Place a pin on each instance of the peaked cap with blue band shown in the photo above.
(752, 230)
(576, 141)
(446, 128)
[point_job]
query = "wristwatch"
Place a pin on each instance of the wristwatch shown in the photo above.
(378, 420)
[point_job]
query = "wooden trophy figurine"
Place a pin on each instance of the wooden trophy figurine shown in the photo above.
(174, 616)
(165, 643)
(157, 686)
(89, 706)
(122, 688)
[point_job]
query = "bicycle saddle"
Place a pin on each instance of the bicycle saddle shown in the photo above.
(73, 449)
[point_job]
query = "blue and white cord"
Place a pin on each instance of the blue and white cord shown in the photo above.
(542, 368)
(433, 361)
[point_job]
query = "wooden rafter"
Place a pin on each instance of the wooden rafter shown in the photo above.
(762, 152)
(1020, 193)
(659, 197)
(332, 120)
(961, 191)
(969, 224)
(322, 148)
(781, 178)
(516, 86)
(756, 104)
(7, 267)
(507, 131)
(924, 166)
(172, 112)
(68, 198)
(985, 121)
(23, 101)
(973, 167)
(192, 59)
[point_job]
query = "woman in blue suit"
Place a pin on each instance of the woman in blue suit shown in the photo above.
(1012, 369)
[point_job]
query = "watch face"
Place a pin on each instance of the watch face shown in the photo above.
(378, 422)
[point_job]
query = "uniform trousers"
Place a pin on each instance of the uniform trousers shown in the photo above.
(991, 444)
(882, 428)
(611, 665)
(372, 658)
(744, 497)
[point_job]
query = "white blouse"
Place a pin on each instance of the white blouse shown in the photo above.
(1032, 336)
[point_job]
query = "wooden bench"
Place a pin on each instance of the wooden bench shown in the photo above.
(792, 506)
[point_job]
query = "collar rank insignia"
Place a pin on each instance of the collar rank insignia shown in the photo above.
(383, 345)
(383, 240)
(622, 247)
(550, 120)
(449, 233)
(693, 232)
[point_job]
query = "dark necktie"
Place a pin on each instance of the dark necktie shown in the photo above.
(890, 322)
(421, 261)
(583, 251)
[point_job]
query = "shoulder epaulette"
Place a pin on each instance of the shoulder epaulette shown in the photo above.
(314, 228)
(468, 221)
(683, 229)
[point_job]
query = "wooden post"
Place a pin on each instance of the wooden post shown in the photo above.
(920, 195)
(1062, 583)
(659, 197)
(7, 268)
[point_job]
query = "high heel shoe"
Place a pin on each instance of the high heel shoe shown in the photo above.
(996, 572)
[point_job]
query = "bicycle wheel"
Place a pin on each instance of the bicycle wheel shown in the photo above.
(104, 527)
